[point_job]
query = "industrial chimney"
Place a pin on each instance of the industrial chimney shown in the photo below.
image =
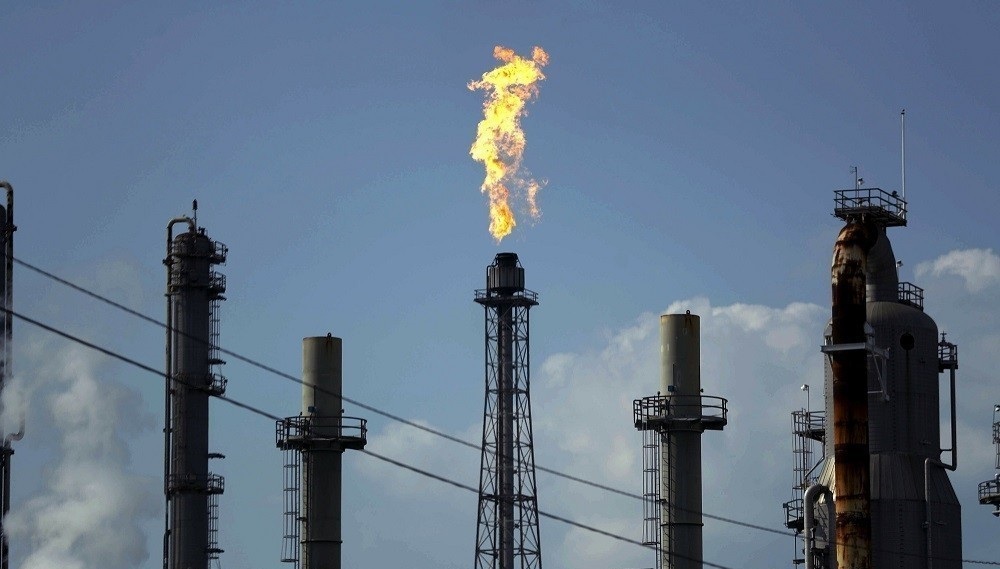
(672, 422)
(507, 519)
(314, 443)
(194, 291)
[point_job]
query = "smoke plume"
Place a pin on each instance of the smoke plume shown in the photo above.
(90, 509)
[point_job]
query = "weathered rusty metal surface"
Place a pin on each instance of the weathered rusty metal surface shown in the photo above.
(852, 492)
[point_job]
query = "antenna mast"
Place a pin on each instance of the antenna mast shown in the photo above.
(902, 151)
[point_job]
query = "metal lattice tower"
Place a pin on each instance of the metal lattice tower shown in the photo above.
(7, 229)
(194, 291)
(672, 496)
(507, 534)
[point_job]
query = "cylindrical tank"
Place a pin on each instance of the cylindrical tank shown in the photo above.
(322, 405)
(680, 379)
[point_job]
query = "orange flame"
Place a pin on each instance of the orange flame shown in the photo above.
(499, 142)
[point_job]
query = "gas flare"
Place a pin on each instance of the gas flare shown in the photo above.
(499, 142)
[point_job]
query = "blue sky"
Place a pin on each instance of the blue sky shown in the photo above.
(690, 150)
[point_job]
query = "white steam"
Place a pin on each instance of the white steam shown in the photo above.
(90, 509)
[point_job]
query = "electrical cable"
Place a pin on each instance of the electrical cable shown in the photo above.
(367, 407)
(377, 411)
(258, 411)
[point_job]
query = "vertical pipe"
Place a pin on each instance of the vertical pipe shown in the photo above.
(8, 292)
(680, 379)
(505, 350)
(168, 375)
(5, 371)
(809, 498)
(852, 489)
(929, 524)
(902, 153)
(322, 405)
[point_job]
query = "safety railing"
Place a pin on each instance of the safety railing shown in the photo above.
(654, 409)
(911, 294)
(523, 294)
(888, 209)
(210, 484)
(298, 431)
(989, 492)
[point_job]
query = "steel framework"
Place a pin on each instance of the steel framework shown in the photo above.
(808, 434)
(507, 533)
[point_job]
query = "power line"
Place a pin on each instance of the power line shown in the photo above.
(541, 513)
(258, 411)
(377, 411)
(370, 408)
(130, 361)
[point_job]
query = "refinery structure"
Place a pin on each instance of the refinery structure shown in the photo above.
(871, 485)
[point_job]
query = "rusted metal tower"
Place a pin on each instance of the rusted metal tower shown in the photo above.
(194, 291)
(507, 534)
(891, 495)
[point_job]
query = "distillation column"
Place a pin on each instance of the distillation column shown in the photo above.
(679, 414)
(894, 503)
(507, 533)
(193, 292)
(316, 441)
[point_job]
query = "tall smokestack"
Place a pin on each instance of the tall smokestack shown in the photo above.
(314, 445)
(678, 416)
(193, 294)
(507, 520)
(849, 363)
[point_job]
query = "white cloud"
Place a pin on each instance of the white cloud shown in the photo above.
(979, 268)
(90, 510)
